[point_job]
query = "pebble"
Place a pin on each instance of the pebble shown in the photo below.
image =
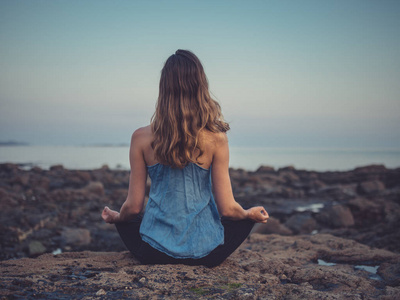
(101, 292)
(142, 280)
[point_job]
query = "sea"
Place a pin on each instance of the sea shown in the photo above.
(248, 158)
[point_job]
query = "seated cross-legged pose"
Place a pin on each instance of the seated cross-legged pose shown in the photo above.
(191, 216)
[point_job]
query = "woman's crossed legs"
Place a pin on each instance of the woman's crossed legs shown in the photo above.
(235, 232)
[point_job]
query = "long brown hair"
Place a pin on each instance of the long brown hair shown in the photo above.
(184, 108)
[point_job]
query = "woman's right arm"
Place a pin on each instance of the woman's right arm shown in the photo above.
(134, 202)
(227, 206)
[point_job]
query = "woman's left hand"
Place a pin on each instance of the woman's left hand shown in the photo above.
(258, 214)
(110, 216)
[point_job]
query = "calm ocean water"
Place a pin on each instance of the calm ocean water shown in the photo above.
(91, 157)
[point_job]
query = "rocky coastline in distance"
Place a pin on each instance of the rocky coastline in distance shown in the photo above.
(331, 235)
(12, 143)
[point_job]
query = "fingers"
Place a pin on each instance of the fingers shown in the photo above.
(106, 214)
(263, 215)
(105, 211)
(264, 212)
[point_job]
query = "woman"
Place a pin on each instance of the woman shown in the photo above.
(185, 152)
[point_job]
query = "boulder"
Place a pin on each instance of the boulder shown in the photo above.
(37, 169)
(265, 169)
(9, 168)
(58, 168)
(390, 272)
(40, 182)
(370, 170)
(76, 236)
(302, 223)
(392, 213)
(272, 226)
(373, 187)
(22, 179)
(366, 212)
(287, 168)
(288, 176)
(36, 248)
(336, 216)
(337, 192)
(94, 187)
(83, 175)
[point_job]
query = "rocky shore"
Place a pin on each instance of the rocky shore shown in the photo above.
(331, 235)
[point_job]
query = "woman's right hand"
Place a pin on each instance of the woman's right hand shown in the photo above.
(110, 216)
(258, 214)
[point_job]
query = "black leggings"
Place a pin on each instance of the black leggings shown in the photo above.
(235, 232)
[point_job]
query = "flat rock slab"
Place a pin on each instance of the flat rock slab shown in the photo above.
(265, 267)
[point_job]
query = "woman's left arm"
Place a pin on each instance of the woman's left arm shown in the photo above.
(134, 202)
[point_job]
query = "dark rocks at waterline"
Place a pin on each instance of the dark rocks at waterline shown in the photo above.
(357, 204)
(59, 209)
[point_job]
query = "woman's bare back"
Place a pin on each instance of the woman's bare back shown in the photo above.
(208, 140)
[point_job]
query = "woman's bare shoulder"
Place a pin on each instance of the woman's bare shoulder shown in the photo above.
(142, 134)
(215, 138)
(143, 131)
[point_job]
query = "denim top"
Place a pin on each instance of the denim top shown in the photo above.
(181, 218)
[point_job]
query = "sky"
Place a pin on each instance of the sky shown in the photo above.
(286, 73)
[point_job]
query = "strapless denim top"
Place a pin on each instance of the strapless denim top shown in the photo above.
(181, 218)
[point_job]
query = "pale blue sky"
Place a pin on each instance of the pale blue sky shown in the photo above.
(286, 73)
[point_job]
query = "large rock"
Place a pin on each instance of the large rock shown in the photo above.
(9, 168)
(288, 175)
(302, 223)
(265, 169)
(76, 237)
(337, 192)
(365, 211)
(390, 272)
(22, 179)
(36, 248)
(336, 216)
(374, 187)
(57, 168)
(94, 187)
(370, 172)
(272, 226)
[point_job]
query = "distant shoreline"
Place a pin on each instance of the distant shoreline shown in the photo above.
(117, 157)
(262, 168)
(13, 143)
